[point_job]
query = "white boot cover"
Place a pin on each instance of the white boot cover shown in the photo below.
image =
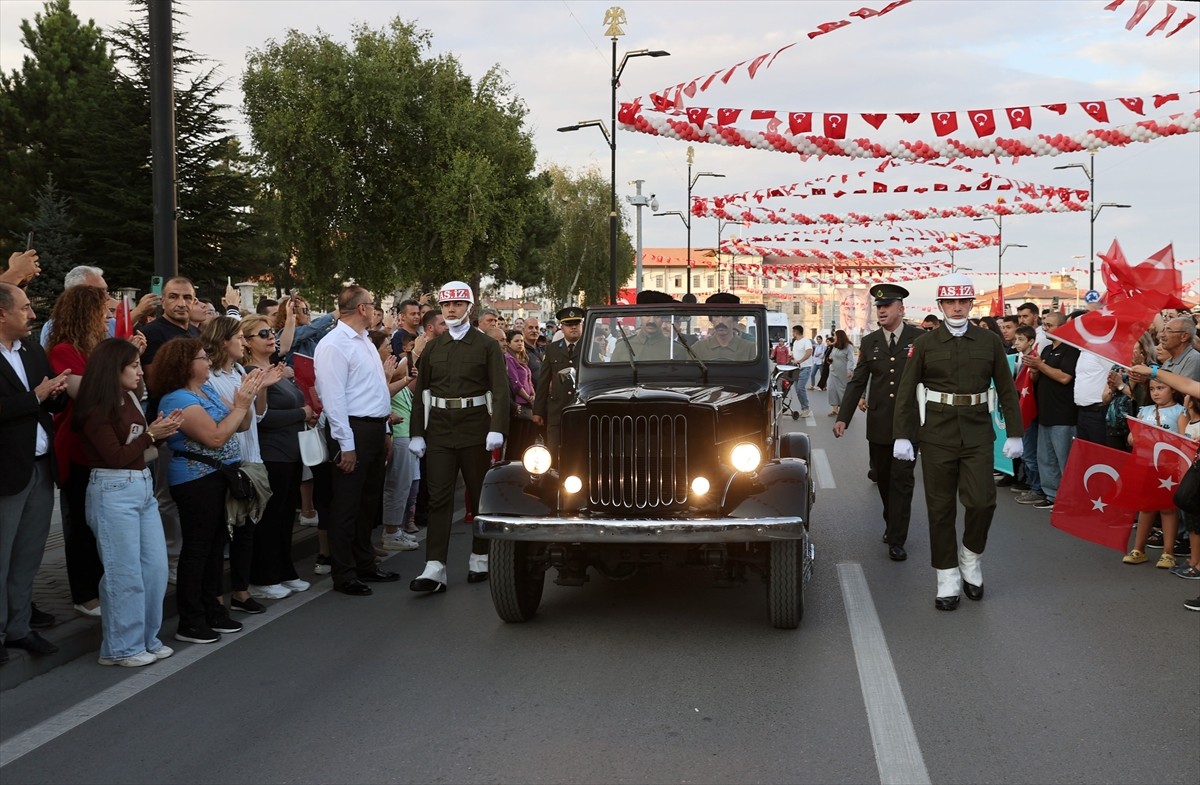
(478, 562)
(434, 570)
(948, 583)
(969, 566)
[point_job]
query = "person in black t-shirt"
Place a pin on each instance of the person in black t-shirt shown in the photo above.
(1054, 382)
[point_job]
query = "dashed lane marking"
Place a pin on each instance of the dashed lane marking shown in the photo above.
(820, 464)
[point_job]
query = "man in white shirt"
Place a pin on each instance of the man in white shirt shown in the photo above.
(802, 358)
(354, 395)
(1091, 378)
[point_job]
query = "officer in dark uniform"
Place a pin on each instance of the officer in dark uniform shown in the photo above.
(552, 394)
(881, 360)
(943, 400)
(723, 341)
(460, 414)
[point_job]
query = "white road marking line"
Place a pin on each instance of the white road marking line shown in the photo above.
(897, 752)
(820, 464)
(141, 679)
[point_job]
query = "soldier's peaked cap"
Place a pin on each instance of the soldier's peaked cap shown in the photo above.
(885, 293)
(723, 298)
(651, 297)
(570, 315)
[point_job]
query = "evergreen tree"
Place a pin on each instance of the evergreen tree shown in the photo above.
(57, 244)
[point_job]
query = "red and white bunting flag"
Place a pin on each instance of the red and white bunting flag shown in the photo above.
(984, 121)
(1097, 109)
(1160, 458)
(1056, 108)
(827, 27)
(1091, 502)
(1143, 7)
(727, 116)
(1019, 117)
(1113, 330)
(835, 125)
(1133, 104)
(697, 115)
(1190, 18)
(1166, 98)
(874, 120)
(800, 122)
(1162, 24)
(909, 117)
(944, 123)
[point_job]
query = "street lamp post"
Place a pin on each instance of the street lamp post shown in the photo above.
(614, 17)
(639, 202)
(1093, 211)
(999, 221)
(687, 219)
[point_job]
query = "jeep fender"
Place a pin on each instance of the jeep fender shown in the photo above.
(508, 490)
(780, 488)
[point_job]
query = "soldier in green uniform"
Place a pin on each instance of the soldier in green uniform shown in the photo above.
(881, 360)
(723, 342)
(943, 402)
(654, 340)
(552, 394)
(460, 414)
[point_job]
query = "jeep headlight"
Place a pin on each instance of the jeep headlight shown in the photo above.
(536, 460)
(572, 484)
(746, 457)
(700, 486)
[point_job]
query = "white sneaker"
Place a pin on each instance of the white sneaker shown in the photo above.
(398, 541)
(162, 652)
(306, 520)
(136, 661)
(273, 592)
(296, 585)
(806, 412)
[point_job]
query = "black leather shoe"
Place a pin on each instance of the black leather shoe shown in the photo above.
(972, 591)
(897, 553)
(354, 589)
(379, 576)
(39, 619)
(32, 643)
(477, 577)
(427, 585)
(946, 603)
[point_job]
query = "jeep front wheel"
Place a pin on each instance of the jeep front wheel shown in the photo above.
(785, 584)
(516, 580)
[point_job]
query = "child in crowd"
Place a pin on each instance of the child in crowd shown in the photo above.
(1189, 426)
(1166, 411)
(1025, 342)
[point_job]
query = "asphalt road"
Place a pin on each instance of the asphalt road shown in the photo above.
(1075, 668)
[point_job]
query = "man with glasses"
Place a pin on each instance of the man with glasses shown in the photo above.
(1177, 338)
(354, 395)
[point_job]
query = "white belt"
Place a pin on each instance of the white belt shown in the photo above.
(956, 399)
(458, 403)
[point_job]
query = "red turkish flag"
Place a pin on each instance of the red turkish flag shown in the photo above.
(1160, 458)
(1159, 100)
(944, 123)
(124, 327)
(835, 125)
(909, 117)
(1019, 117)
(879, 188)
(1133, 104)
(1190, 18)
(1112, 331)
(1163, 24)
(1056, 108)
(984, 121)
(996, 309)
(1026, 396)
(875, 120)
(1097, 109)
(1091, 497)
(1157, 274)
(827, 27)
(697, 114)
(1143, 7)
(627, 113)
(762, 114)
(756, 62)
(800, 122)
(727, 116)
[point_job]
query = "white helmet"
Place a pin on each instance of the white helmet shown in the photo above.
(456, 291)
(955, 286)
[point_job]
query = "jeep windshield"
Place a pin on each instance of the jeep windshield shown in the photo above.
(719, 336)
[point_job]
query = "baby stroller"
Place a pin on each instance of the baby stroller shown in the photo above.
(786, 380)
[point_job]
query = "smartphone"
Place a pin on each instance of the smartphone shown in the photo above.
(156, 283)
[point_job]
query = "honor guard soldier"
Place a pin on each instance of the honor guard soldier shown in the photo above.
(944, 401)
(459, 414)
(552, 394)
(881, 361)
(723, 341)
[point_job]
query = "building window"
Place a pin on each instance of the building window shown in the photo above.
(695, 282)
(813, 309)
(678, 281)
(795, 309)
(712, 281)
(658, 281)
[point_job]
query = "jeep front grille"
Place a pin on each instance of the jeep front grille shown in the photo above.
(637, 462)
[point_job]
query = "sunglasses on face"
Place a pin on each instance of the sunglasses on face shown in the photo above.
(265, 334)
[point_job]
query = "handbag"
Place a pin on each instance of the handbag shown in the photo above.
(522, 412)
(313, 451)
(240, 485)
(1187, 495)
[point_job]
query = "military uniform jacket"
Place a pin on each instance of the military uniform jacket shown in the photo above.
(551, 395)
(646, 348)
(963, 365)
(738, 350)
(883, 368)
(470, 366)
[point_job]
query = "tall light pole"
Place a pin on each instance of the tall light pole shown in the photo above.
(614, 17)
(639, 202)
(687, 219)
(686, 222)
(999, 221)
(721, 224)
(1093, 211)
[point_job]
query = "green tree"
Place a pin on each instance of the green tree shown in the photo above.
(54, 237)
(391, 166)
(578, 261)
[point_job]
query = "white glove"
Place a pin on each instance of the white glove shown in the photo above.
(494, 441)
(1014, 447)
(903, 450)
(416, 445)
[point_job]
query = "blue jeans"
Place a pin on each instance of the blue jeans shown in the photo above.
(123, 514)
(801, 387)
(1054, 442)
(1029, 457)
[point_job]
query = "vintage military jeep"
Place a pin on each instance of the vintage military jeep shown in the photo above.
(671, 454)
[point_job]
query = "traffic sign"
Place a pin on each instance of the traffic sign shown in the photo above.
(1091, 297)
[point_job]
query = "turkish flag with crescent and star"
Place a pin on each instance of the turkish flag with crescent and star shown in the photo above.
(1026, 396)
(1113, 330)
(1018, 117)
(1160, 459)
(1097, 109)
(944, 123)
(1091, 497)
(835, 125)
(984, 121)
(1157, 273)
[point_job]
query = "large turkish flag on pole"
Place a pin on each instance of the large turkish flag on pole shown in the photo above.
(1091, 498)
(1112, 331)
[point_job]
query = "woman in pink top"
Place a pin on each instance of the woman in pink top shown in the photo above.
(522, 431)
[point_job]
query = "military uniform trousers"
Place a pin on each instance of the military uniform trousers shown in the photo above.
(355, 501)
(444, 465)
(895, 481)
(965, 471)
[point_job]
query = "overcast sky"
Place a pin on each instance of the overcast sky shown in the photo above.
(924, 57)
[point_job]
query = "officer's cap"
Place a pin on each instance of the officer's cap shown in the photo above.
(725, 298)
(651, 297)
(885, 293)
(572, 314)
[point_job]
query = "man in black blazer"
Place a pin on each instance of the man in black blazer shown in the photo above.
(28, 397)
(552, 394)
(881, 360)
